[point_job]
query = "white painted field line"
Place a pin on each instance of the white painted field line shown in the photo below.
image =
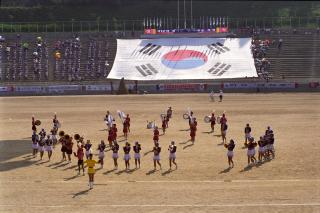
(166, 205)
(164, 181)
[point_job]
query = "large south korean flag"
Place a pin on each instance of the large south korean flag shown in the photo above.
(183, 58)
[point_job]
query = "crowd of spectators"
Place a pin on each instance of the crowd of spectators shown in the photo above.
(17, 63)
(259, 51)
(16, 59)
(40, 60)
(68, 59)
(97, 63)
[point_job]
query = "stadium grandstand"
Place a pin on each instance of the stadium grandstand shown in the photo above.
(77, 51)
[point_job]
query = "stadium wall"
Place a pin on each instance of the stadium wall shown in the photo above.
(164, 88)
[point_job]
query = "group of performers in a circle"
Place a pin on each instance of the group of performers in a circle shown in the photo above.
(42, 142)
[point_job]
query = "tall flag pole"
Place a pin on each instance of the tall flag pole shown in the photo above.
(178, 25)
(227, 21)
(191, 16)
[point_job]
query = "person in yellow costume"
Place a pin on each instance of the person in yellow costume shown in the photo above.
(91, 163)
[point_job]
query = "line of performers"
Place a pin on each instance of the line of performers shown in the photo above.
(265, 147)
(44, 142)
(265, 143)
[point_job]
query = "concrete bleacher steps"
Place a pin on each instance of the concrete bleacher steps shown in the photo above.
(299, 57)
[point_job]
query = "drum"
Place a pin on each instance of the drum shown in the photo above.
(185, 116)
(59, 125)
(37, 122)
(150, 125)
(207, 119)
(218, 119)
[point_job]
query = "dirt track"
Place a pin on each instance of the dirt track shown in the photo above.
(289, 183)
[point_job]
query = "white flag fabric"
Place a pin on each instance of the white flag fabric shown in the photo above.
(183, 58)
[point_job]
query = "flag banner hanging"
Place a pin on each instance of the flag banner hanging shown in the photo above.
(183, 58)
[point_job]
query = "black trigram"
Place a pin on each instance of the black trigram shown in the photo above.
(219, 69)
(218, 47)
(150, 49)
(146, 69)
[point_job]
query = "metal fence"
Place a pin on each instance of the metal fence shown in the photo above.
(137, 25)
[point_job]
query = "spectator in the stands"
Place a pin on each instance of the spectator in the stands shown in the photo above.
(280, 43)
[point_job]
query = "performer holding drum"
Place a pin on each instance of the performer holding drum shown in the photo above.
(35, 123)
(41, 146)
(126, 158)
(101, 148)
(230, 148)
(48, 146)
(172, 154)
(156, 156)
(88, 149)
(69, 145)
(247, 133)
(35, 141)
(251, 151)
(137, 149)
(115, 155)
(55, 121)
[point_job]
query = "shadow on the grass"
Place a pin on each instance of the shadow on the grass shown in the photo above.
(81, 193)
(109, 171)
(42, 162)
(60, 165)
(71, 167)
(184, 130)
(10, 149)
(187, 146)
(207, 132)
(220, 144)
(247, 168)
(146, 153)
(125, 171)
(71, 178)
(167, 172)
(185, 142)
(151, 172)
(225, 170)
(55, 164)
